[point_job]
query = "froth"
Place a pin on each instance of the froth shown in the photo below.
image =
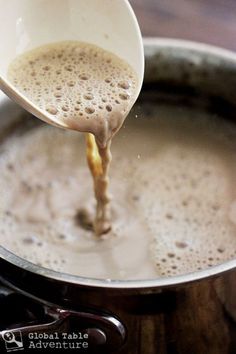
(188, 197)
(80, 84)
(175, 198)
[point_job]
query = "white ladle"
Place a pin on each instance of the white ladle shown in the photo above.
(27, 24)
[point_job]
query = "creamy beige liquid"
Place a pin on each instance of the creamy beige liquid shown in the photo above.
(86, 88)
(173, 183)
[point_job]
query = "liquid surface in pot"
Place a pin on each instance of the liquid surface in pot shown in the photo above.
(173, 181)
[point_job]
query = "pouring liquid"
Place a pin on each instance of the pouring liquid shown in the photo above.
(89, 89)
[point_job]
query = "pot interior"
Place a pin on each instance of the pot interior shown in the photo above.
(180, 79)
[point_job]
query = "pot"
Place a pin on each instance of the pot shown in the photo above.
(192, 313)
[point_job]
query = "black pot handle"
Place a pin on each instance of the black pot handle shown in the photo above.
(102, 333)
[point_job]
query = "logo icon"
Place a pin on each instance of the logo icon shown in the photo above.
(13, 340)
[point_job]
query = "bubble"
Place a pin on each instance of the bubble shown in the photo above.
(71, 83)
(10, 167)
(88, 96)
(124, 96)
(215, 207)
(28, 240)
(46, 68)
(68, 68)
(65, 108)
(57, 94)
(89, 110)
(51, 109)
(181, 244)
(84, 77)
(124, 85)
(109, 108)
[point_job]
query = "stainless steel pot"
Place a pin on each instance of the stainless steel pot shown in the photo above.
(193, 313)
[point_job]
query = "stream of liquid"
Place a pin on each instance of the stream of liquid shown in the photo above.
(88, 89)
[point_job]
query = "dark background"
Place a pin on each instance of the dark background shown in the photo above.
(210, 21)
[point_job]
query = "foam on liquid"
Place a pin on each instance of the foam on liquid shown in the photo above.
(87, 89)
(174, 187)
(82, 85)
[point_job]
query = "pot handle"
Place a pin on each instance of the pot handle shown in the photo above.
(100, 331)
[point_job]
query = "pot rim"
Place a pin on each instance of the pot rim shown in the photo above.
(161, 282)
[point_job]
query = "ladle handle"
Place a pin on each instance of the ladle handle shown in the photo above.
(95, 333)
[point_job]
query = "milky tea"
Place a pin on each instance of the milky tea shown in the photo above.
(172, 181)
